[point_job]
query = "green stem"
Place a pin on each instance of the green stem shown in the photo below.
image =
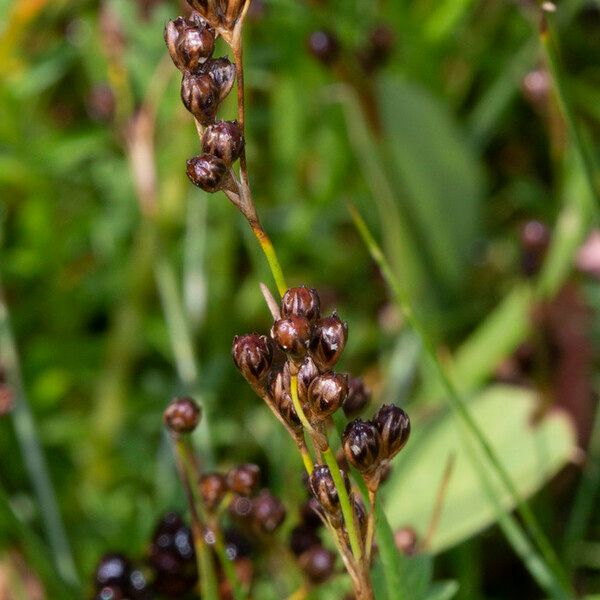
(457, 403)
(206, 569)
(227, 565)
(271, 256)
(33, 455)
(347, 508)
(549, 42)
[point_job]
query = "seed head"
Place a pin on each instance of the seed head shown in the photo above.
(358, 397)
(194, 46)
(292, 335)
(269, 513)
(213, 487)
(393, 425)
(252, 355)
(406, 540)
(326, 394)
(182, 415)
(301, 302)
(222, 14)
(225, 140)
(244, 479)
(207, 172)
(362, 443)
(318, 564)
(200, 95)
(112, 570)
(328, 341)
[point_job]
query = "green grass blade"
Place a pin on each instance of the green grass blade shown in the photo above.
(33, 455)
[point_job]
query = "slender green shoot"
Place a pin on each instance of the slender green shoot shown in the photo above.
(549, 41)
(33, 455)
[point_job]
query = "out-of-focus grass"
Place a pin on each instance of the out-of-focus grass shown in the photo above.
(99, 296)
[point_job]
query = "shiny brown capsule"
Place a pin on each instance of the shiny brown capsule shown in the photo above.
(406, 540)
(306, 374)
(358, 397)
(301, 302)
(393, 425)
(279, 390)
(252, 355)
(324, 46)
(225, 140)
(326, 394)
(244, 479)
(171, 34)
(323, 489)
(200, 95)
(194, 46)
(302, 538)
(268, 512)
(207, 172)
(292, 335)
(222, 72)
(328, 341)
(362, 444)
(213, 487)
(182, 415)
(318, 564)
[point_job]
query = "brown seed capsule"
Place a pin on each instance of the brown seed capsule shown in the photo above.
(222, 72)
(393, 425)
(252, 355)
(360, 514)
(279, 390)
(318, 564)
(535, 240)
(194, 46)
(328, 341)
(302, 538)
(213, 488)
(378, 48)
(323, 489)
(301, 302)
(223, 13)
(358, 397)
(182, 415)
(324, 46)
(326, 394)
(207, 172)
(309, 513)
(361, 442)
(225, 140)
(240, 508)
(200, 95)
(292, 335)
(244, 479)
(171, 34)
(268, 512)
(306, 374)
(406, 540)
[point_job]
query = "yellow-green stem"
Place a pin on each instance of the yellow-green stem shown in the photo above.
(370, 525)
(347, 509)
(271, 256)
(298, 407)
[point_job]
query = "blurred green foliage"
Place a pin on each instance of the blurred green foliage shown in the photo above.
(459, 156)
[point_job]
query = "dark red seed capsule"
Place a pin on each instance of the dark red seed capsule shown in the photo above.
(252, 355)
(182, 415)
(269, 513)
(292, 335)
(244, 479)
(326, 394)
(207, 172)
(213, 487)
(362, 444)
(318, 564)
(324, 46)
(358, 397)
(393, 425)
(301, 302)
(200, 95)
(328, 341)
(194, 46)
(225, 140)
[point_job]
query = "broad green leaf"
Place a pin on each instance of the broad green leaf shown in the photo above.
(440, 182)
(532, 454)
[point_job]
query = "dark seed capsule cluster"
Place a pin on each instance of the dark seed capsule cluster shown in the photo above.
(205, 84)
(116, 577)
(182, 415)
(370, 445)
(305, 344)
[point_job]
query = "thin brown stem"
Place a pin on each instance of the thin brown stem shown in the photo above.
(370, 525)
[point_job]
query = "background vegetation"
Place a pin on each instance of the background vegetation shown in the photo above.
(120, 298)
